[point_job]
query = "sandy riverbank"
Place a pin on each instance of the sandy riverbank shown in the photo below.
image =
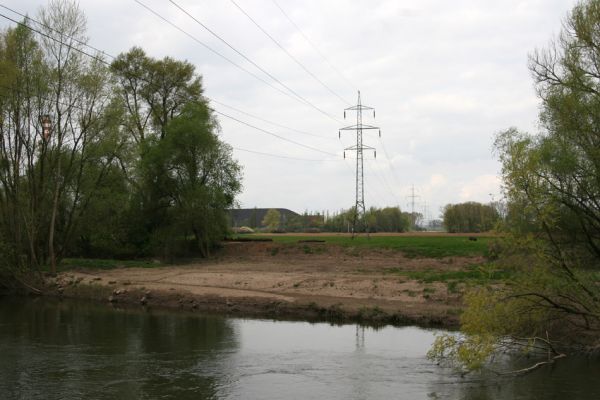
(271, 280)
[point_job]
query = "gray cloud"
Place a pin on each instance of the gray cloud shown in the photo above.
(444, 77)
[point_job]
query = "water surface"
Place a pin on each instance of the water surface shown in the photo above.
(73, 350)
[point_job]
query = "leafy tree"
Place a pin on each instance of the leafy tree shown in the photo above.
(552, 184)
(202, 177)
(272, 220)
(389, 219)
(153, 91)
(130, 164)
(44, 170)
(181, 176)
(470, 217)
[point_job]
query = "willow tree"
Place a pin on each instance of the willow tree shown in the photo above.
(552, 183)
(48, 79)
(181, 176)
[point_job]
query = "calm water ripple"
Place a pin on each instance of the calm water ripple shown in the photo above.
(74, 350)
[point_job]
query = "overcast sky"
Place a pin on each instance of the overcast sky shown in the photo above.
(443, 76)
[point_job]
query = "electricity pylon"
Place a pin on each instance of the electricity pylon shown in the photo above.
(413, 196)
(359, 207)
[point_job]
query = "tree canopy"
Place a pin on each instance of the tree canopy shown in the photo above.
(272, 220)
(470, 217)
(118, 160)
(552, 184)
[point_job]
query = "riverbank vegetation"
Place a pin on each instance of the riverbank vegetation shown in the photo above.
(119, 159)
(553, 221)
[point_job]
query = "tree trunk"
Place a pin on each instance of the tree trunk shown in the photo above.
(51, 252)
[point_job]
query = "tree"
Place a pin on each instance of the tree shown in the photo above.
(552, 183)
(128, 162)
(272, 220)
(153, 91)
(181, 176)
(470, 217)
(44, 170)
(202, 179)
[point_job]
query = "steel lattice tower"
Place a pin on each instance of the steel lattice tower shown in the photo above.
(359, 223)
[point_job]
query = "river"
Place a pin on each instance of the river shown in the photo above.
(77, 350)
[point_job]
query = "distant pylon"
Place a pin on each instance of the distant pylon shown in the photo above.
(359, 223)
(412, 197)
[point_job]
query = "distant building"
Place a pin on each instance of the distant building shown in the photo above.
(253, 217)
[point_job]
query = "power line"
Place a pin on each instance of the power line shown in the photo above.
(350, 84)
(56, 40)
(288, 53)
(81, 42)
(279, 156)
(382, 178)
(385, 153)
(216, 111)
(251, 61)
(267, 121)
(216, 52)
(273, 134)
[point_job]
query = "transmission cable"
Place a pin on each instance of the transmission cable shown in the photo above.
(56, 40)
(385, 153)
(214, 110)
(273, 134)
(216, 52)
(300, 98)
(81, 42)
(288, 53)
(270, 122)
(381, 177)
(280, 156)
(350, 84)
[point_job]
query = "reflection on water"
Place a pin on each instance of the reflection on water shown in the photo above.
(71, 350)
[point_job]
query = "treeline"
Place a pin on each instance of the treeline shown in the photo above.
(470, 217)
(104, 160)
(388, 219)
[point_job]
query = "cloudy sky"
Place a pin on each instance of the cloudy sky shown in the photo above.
(443, 76)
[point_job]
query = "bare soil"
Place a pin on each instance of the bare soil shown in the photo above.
(312, 280)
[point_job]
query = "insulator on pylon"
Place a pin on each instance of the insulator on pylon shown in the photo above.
(344, 114)
(373, 113)
(344, 155)
(375, 153)
(380, 133)
(339, 134)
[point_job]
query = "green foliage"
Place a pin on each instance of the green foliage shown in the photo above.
(272, 220)
(105, 264)
(411, 246)
(131, 164)
(552, 183)
(388, 219)
(483, 274)
(200, 178)
(470, 353)
(470, 217)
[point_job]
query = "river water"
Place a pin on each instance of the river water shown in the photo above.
(78, 350)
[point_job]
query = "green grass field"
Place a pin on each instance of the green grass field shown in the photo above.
(99, 263)
(478, 274)
(411, 246)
